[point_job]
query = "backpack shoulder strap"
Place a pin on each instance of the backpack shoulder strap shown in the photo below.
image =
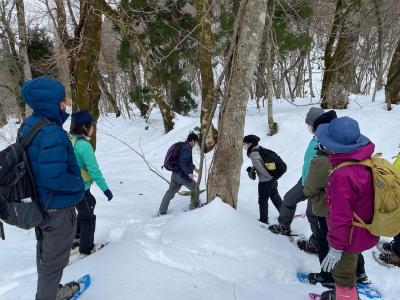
(34, 131)
(367, 163)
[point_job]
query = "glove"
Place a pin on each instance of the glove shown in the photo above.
(331, 259)
(251, 171)
(191, 176)
(108, 194)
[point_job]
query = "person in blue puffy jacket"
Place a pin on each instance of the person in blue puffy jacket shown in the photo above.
(58, 182)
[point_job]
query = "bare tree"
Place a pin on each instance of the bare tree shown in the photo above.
(23, 44)
(339, 65)
(224, 178)
(392, 91)
(205, 47)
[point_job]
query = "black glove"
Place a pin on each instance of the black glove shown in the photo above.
(251, 171)
(108, 194)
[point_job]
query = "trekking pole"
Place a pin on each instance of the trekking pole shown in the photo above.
(2, 235)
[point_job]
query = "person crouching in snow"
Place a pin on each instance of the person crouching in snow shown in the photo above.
(349, 191)
(267, 185)
(81, 133)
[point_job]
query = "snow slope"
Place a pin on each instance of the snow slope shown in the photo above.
(211, 253)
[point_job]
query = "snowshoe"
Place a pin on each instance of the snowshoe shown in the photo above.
(390, 258)
(96, 248)
(315, 278)
(67, 290)
(280, 229)
(388, 247)
(328, 295)
(363, 279)
(307, 246)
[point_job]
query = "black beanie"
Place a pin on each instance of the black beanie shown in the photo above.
(324, 118)
(253, 139)
(192, 137)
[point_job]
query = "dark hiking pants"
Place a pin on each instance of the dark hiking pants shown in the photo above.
(54, 241)
(177, 181)
(86, 223)
(288, 209)
(323, 249)
(266, 190)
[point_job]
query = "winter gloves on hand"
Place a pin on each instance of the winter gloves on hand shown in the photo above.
(108, 194)
(331, 260)
(251, 171)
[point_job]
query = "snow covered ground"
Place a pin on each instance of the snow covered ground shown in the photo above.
(211, 253)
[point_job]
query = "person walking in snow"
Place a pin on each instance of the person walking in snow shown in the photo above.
(349, 191)
(182, 172)
(58, 182)
(267, 184)
(296, 194)
(81, 133)
(314, 190)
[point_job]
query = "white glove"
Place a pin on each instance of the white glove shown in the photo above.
(331, 259)
(191, 176)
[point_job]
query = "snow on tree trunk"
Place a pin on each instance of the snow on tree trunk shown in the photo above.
(339, 67)
(392, 91)
(23, 46)
(205, 47)
(224, 177)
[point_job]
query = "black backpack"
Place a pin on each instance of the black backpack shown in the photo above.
(19, 203)
(171, 161)
(272, 162)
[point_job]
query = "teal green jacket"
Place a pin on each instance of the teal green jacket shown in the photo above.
(308, 156)
(87, 162)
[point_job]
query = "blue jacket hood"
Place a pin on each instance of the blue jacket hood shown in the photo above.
(44, 95)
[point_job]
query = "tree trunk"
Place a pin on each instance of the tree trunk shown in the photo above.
(159, 96)
(204, 50)
(86, 84)
(392, 91)
(224, 178)
(341, 68)
(110, 98)
(378, 82)
(310, 80)
(23, 46)
(272, 126)
(3, 118)
(329, 49)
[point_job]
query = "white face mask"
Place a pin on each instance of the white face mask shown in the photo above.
(311, 129)
(68, 109)
(246, 147)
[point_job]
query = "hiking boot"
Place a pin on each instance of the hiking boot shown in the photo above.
(363, 279)
(280, 229)
(67, 290)
(96, 248)
(76, 243)
(328, 295)
(263, 221)
(307, 246)
(388, 246)
(315, 278)
(390, 258)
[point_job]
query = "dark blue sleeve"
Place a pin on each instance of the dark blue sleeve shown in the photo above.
(57, 166)
(185, 160)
